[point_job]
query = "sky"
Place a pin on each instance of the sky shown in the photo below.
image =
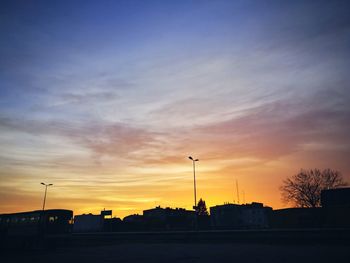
(107, 99)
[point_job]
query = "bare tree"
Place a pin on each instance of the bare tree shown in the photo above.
(304, 188)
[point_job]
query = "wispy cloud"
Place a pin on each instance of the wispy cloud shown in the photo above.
(109, 108)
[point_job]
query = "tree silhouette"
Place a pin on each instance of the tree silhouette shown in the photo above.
(304, 188)
(202, 208)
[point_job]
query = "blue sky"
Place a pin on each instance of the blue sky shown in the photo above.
(122, 91)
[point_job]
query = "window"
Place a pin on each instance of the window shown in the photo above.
(33, 219)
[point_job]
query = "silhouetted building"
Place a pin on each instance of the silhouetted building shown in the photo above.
(33, 223)
(88, 223)
(112, 224)
(169, 218)
(336, 207)
(296, 218)
(334, 213)
(335, 197)
(233, 216)
(92, 223)
(133, 218)
(164, 213)
(134, 223)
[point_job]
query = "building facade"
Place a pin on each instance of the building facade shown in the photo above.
(159, 218)
(234, 216)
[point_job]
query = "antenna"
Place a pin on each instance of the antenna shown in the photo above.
(233, 192)
(243, 197)
(237, 191)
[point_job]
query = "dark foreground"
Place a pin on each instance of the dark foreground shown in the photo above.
(174, 252)
(313, 245)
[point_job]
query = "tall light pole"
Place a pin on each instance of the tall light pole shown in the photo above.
(46, 185)
(194, 181)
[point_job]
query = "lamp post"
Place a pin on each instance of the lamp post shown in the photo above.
(46, 185)
(194, 181)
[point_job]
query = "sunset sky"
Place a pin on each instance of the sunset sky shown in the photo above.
(107, 99)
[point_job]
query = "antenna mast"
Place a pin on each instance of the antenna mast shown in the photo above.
(237, 191)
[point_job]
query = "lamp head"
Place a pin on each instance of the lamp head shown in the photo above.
(190, 157)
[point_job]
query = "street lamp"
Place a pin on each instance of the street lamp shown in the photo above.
(46, 185)
(194, 181)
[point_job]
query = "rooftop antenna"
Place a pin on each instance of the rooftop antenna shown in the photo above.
(237, 191)
(243, 197)
(233, 192)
